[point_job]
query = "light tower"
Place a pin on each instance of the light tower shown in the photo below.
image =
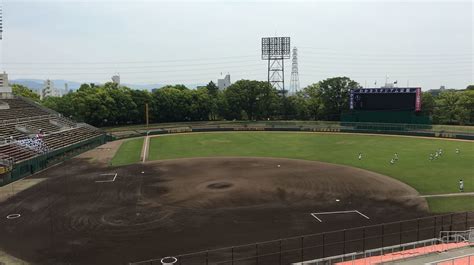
(276, 50)
(295, 79)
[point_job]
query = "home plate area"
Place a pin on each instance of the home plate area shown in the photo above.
(107, 177)
(339, 216)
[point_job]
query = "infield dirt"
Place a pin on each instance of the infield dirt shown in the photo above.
(186, 205)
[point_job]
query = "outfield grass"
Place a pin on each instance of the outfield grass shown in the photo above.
(128, 153)
(414, 167)
(451, 204)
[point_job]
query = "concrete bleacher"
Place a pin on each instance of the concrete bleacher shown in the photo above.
(22, 119)
(18, 153)
(20, 108)
(69, 137)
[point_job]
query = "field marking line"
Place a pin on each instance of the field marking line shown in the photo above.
(448, 195)
(362, 215)
(338, 212)
(314, 215)
(145, 148)
(107, 174)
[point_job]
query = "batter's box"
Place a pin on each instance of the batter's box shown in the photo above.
(111, 178)
(320, 216)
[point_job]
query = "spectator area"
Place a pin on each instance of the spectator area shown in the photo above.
(20, 108)
(21, 120)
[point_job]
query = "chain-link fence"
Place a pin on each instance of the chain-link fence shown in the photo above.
(315, 246)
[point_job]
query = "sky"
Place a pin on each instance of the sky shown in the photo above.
(425, 44)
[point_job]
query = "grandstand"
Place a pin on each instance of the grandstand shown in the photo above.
(32, 136)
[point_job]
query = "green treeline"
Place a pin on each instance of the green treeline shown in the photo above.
(109, 104)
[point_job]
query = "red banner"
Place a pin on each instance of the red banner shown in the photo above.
(418, 99)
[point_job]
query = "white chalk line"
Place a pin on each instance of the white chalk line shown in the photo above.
(107, 174)
(315, 215)
(145, 148)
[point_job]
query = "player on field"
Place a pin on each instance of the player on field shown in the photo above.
(392, 161)
(360, 156)
(457, 151)
(461, 185)
(396, 156)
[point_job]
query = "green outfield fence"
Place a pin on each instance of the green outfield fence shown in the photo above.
(327, 244)
(40, 162)
(454, 132)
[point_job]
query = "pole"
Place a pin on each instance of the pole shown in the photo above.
(146, 114)
(383, 234)
(467, 224)
(256, 253)
(302, 248)
(363, 240)
(280, 251)
(324, 244)
(418, 230)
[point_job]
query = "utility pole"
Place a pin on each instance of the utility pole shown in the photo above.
(146, 114)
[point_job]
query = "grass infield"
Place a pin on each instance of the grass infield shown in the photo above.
(128, 153)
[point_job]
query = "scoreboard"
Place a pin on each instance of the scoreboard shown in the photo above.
(403, 98)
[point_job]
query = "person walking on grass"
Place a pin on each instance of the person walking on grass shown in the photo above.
(461, 185)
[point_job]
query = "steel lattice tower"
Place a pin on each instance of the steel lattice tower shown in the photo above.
(1, 23)
(295, 79)
(275, 50)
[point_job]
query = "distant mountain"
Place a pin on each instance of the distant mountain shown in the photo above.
(37, 84)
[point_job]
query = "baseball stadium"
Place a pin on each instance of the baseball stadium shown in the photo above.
(161, 165)
(272, 192)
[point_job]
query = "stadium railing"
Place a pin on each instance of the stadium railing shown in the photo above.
(342, 243)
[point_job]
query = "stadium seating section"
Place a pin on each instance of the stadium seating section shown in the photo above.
(20, 108)
(22, 120)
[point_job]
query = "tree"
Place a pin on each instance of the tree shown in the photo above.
(24, 91)
(470, 87)
(212, 89)
(452, 107)
(246, 99)
(172, 104)
(334, 96)
(427, 103)
(312, 97)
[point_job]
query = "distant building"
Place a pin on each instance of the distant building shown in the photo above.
(49, 90)
(224, 83)
(4, 88)
(116, 79)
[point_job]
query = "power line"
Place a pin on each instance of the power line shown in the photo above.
(135, 62)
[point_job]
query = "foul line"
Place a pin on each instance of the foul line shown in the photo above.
(448, 195)
(145, 148)
(107, 174)
(315, 215)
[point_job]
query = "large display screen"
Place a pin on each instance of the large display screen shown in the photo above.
(385, 99)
